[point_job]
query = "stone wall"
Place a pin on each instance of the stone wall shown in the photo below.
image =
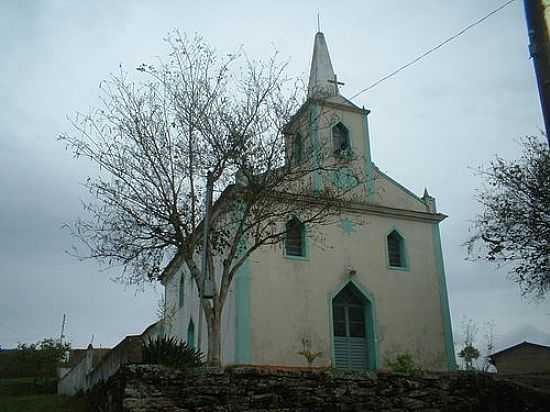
(140, 388)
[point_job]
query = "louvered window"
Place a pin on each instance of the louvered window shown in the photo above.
(298, 149)
(395, 250)
(340, 139)
(295, 238)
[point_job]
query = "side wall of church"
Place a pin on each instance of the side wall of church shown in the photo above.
(291, 299)
(180, 317)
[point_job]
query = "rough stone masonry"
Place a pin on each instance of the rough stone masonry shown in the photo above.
(141, 388)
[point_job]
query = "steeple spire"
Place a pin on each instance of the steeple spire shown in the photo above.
(322, 80)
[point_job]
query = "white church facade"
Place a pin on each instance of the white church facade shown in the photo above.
(367, 293)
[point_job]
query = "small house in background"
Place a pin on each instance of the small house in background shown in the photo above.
(525, 357)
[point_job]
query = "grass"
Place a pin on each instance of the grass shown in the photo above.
(42, 403)
(36, 395)
(26, 386)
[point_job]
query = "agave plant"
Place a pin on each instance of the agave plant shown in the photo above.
(170, 351)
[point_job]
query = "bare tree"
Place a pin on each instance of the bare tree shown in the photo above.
(165, 311)
(489, 343)
(514, 224)
(199, 118)
(475, 354)
(469, 352)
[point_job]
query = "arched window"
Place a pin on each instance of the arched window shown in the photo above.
(181, 291)
(295, 238)
(396, 250)
(340, 139)
(297, 149)
(191, 334)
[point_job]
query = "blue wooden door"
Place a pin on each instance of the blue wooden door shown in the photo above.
(350, 337)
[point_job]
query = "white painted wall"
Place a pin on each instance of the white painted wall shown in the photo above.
(178, 323)
(289, 299)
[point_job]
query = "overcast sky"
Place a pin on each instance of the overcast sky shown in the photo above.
(430, 126)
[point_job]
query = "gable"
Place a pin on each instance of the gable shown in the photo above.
(341, 100)
(387, 192)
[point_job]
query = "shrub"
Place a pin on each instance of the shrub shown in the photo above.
(170, 351)
(40, 359)
(470, 354)
(403, 363)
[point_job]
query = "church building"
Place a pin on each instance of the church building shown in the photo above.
(369, 293)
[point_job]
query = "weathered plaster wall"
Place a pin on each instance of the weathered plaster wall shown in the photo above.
(179, 317)
(295, 295)
(387, 192)
(276, 302)
(150, 388)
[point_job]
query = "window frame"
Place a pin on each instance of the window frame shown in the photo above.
(304, 243)
(190, 332)
(181, 291)
(403, 255)
(297, 147)
(341, 153)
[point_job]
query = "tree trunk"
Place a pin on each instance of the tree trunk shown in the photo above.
(214, 338)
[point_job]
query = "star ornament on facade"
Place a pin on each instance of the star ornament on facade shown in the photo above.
(347, 226)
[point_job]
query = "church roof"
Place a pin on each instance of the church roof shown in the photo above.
(524, 343)
(323, 84)
(322, 81)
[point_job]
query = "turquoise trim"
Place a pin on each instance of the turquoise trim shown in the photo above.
(404, 251)
(444, 299)
(302, 258)
(314, 121)
(297, 149)
(367, 158)
(191, 334)
(305, 237)
(347, 225)
(242, 316)
(344, 178)
(372, 341)
(242, 302)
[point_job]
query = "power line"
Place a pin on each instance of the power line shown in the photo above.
(443, 43)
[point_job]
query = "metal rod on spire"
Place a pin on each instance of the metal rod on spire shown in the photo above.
(318, 23)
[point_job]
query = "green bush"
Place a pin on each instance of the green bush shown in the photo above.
(172, 352)
(36, 360)
(403, 363)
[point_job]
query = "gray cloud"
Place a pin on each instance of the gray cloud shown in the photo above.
(430, 125)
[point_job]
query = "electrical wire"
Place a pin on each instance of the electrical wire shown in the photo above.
(429, 51)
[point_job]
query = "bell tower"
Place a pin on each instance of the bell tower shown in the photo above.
(330, 132)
